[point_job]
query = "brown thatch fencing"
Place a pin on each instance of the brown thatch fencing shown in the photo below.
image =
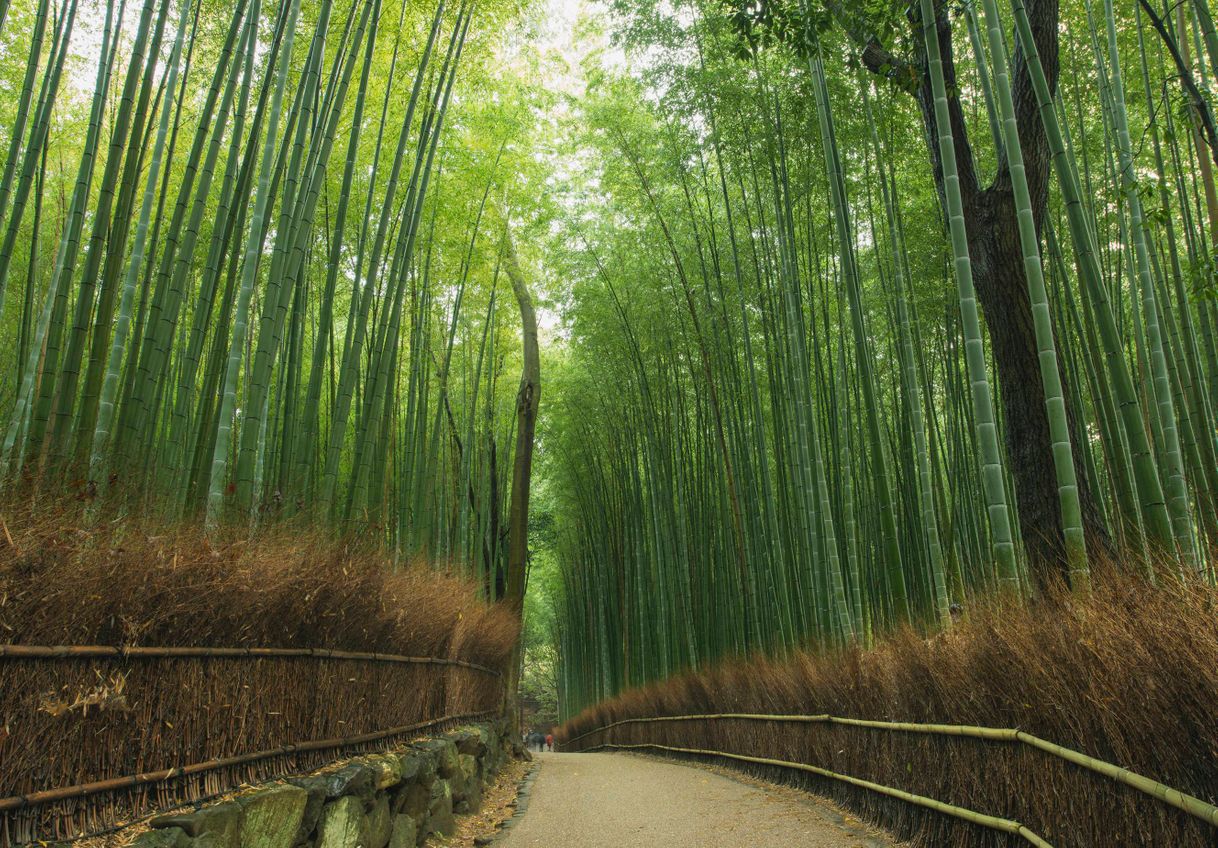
(95, 736)
(1127, 675)
(648, 734)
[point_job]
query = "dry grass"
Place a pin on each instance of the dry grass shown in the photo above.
(130, 582)
(498, 805)
(1129, 675)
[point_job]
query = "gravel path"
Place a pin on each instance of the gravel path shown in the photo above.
(631, 801)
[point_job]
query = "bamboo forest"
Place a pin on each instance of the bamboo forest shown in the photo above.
(837, 357)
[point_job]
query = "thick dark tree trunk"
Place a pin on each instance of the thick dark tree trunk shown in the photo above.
(1000, 282)
(1003, 293)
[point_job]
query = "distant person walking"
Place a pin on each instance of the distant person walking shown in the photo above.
(549, 741)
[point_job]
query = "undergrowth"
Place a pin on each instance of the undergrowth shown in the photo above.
(128, 581)
(131, 581)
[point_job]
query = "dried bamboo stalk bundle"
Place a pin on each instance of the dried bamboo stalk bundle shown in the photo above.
(98, 736)
(966, 718)
(1190, 804)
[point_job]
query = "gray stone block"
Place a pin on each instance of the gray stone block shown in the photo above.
(380, 822)
(467, 780)
(404, 833)
(414, 800)
(468, 741)
(272, 816)
(412, 764)
(444, 752)
(470, 803)
(390, 800)
(344, 824)
(220, 822)
(162, 837)
(318, 788)
(352, 779)
(386, 770)
(440, 811)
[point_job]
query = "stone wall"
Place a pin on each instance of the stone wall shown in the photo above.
(391, 800)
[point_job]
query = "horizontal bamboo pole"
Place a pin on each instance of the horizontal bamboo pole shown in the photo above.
(1190, 804)
(994, 733)
(58, 652)
(1181, 800)
(64, 793)
(992, 822)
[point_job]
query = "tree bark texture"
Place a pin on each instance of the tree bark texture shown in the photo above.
(993, 241)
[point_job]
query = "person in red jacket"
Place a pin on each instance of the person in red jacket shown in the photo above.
(549, 741)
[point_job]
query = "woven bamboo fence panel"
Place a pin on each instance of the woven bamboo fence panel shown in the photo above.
(998, 780)
(92, 737)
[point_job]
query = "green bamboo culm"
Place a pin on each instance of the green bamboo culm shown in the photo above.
(99, 454)
(1153, 506)
(1050, 374)
(1176, 486)
(892, 550)
(65, 255)
(228, 403)
(1003, 544)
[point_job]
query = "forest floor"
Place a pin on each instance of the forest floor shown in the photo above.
(636, 801)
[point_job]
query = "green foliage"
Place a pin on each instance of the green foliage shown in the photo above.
(270, 288)
(714, 361)
(154, 311)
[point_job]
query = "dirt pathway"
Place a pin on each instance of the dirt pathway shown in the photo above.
(631, 801)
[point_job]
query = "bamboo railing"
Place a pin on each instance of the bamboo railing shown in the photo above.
(992, 822)
(1190, 804)
(64, 793)
(195, 722)
(137, 652)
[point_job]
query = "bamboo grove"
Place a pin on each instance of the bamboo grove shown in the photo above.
(848, 313)
(250, 265)
(875, 308)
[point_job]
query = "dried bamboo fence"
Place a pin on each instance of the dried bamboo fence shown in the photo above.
(718, 731)
(95, 736)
